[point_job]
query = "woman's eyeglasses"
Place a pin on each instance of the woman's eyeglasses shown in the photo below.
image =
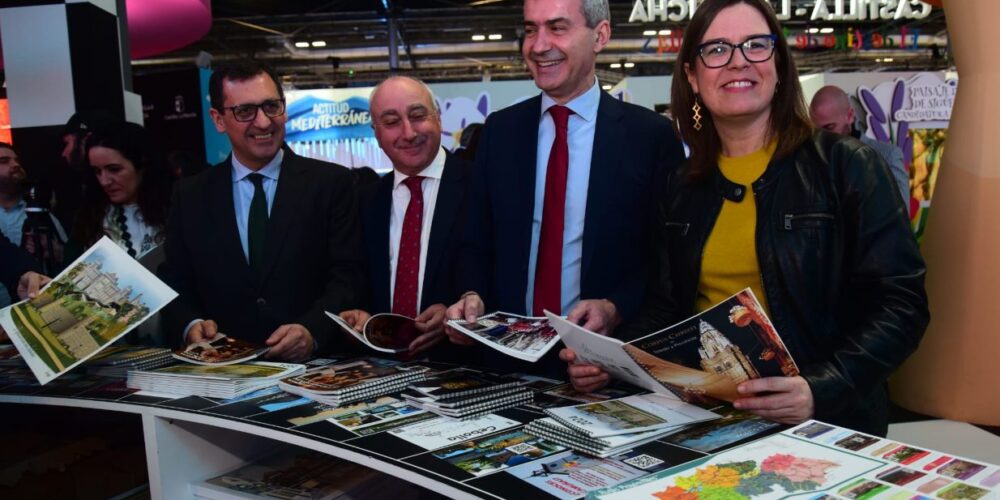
(756, 49)
(248, 112)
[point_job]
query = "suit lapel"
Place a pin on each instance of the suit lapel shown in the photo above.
(449, 199)
(609, 139)
(379, 219)
(223, 216)
(292, 183)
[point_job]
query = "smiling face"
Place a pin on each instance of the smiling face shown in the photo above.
(559, 48)
(407, 126)
(741, 91)
(255, 143)
(116, 174)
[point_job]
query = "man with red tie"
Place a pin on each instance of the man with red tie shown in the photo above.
(411, 216)
(562, 188)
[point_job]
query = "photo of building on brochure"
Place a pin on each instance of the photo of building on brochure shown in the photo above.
(99, 298)
(480, 457)
(703, 359)
(522, 337)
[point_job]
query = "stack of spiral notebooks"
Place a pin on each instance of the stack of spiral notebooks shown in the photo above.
(352, 380)
(463, 393)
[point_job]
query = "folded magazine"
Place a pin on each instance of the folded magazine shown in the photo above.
(700, 360)
(522, 337)
(384, 332)
(219, 351)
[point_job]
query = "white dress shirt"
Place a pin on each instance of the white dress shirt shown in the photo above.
(243, 193)
(400, 200)
(580, 138)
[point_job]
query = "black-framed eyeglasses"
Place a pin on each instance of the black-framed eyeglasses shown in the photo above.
(756, 49)
(248, 112)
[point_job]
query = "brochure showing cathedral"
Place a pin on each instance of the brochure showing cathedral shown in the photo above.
(629, 415)
(384, 332)
(221, 350)
(522, 337)
(772, 468)
(99, 298)
(700, 360)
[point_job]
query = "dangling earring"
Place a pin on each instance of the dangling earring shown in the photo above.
(696, 109)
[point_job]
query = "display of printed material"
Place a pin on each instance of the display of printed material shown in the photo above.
(224, 382)
(116, 361)
(352, 380)
(99, 298)
(570, 475)
(479, 408)
(442, 431)
(700, 360)
(487, 455)
(460, 383)
(552, 429)
(291, 474)
(384, 332)
(423, 399)
(365, 414)
(219, 351)
(732, 426)
(522, 337)
(775, 467)
(629, 415)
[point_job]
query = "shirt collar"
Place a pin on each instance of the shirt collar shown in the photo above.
(583, 105)
(20, 205)
(271, 170)
(432, 171)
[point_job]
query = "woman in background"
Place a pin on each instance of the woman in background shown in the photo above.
(130, 195)
(808, 220)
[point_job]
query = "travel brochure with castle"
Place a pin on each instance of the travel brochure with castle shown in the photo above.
(99, 298)
(700, 360)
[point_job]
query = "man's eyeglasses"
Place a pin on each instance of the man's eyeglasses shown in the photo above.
(248, 112)
(756, 49)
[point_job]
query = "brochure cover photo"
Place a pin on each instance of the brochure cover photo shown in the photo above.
(522, 337)
(99, 298)
(385, 332)
(221, 350)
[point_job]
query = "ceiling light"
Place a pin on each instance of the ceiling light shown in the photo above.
(887, 59)
(629, 65)
(302, 45)
(649, 33)
(878, 60)
(664, 32)
(478, 38)
(606, 87)
(319, 43)
(826, 30)
(496, 36)
(615, 65)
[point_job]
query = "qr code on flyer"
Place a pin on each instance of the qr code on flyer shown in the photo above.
(643, 461)
(521, 448)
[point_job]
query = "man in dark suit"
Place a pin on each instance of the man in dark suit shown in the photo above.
(563, 184)
(262, 244)
(410, 217)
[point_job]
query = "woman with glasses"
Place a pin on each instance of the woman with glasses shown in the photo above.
(808, 220)
(129, 195)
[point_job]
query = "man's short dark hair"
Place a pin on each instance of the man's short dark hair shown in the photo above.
(237, 71)
(4, 145)
(86, 121)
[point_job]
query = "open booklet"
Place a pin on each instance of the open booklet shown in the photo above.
(522, 337)
(221, 350)
(700, 360)
(384, 332)
(99, 298)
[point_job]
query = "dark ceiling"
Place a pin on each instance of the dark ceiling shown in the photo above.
(436, 42)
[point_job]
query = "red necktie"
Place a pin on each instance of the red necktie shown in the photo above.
(548, 268)
(404, 296)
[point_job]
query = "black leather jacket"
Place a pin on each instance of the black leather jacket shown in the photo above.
(841, 269)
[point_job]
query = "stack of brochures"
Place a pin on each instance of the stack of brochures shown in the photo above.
(462, 393)
(117, 361)
(352, 380)
(223, 382)
(300, 474)
(610, 427)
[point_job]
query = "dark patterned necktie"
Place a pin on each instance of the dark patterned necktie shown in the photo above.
(404, 296)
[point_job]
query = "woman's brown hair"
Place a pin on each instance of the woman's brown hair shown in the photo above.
(789, 121)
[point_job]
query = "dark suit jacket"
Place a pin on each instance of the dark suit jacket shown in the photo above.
(14, 262)
(312, 254)
(633, 149)
(440, 274)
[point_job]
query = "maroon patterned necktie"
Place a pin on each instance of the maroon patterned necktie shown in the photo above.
(548, 268)
(404, 296)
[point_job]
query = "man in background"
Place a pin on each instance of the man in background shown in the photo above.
(831, 109)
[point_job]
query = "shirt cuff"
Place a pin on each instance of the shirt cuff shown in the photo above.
(187, 328)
